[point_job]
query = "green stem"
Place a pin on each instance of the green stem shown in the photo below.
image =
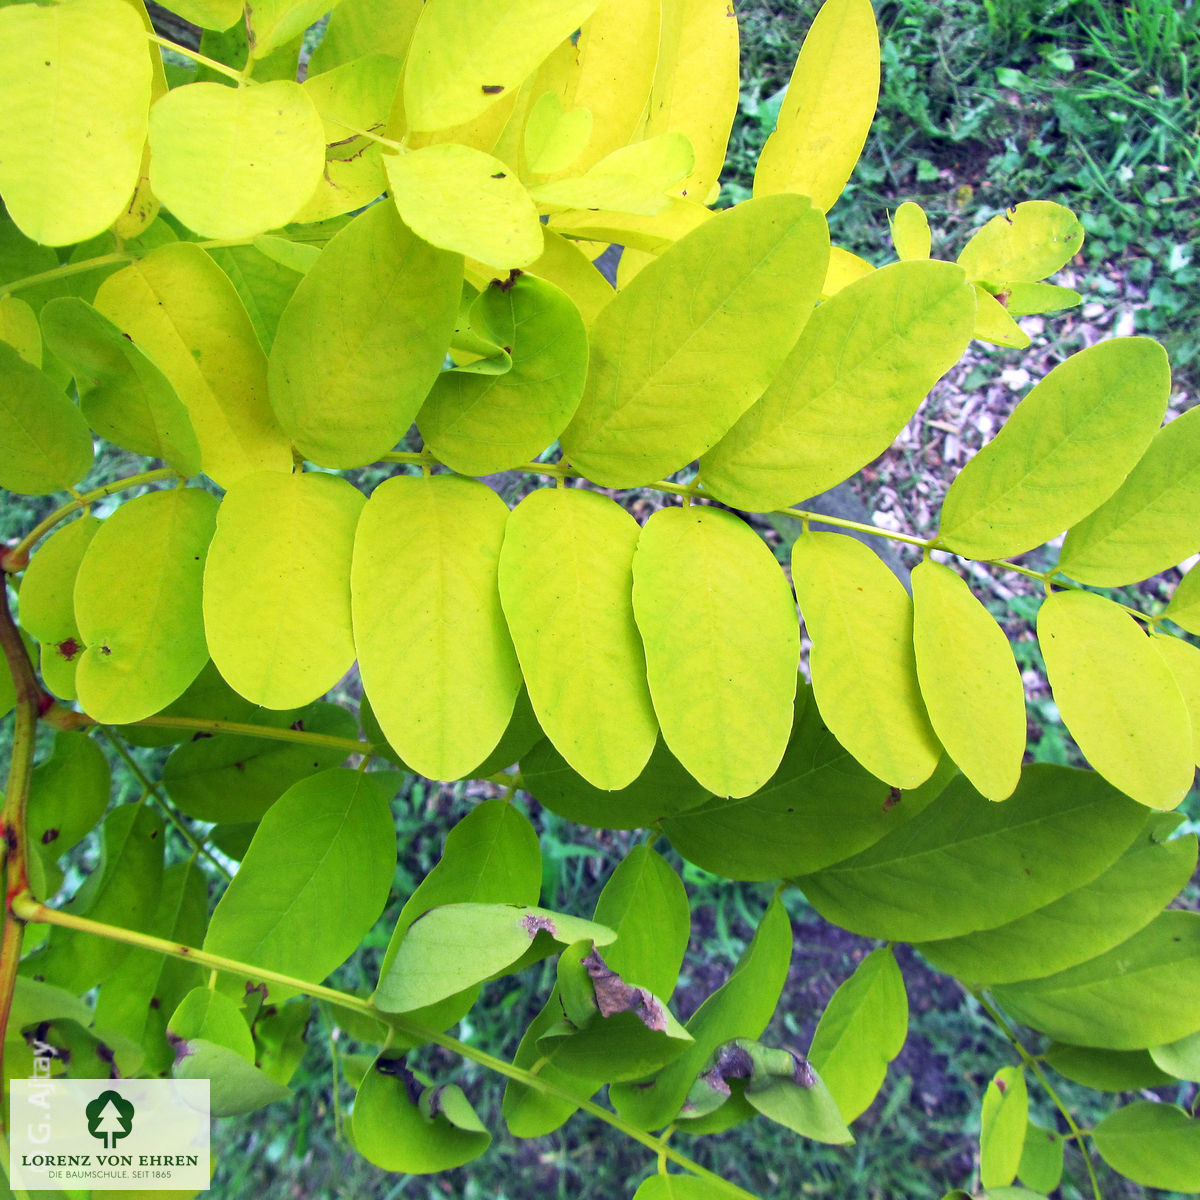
(17, 558)
(66, 271)
(212, 64)
(26, 908)
(1031, 1061)
(804, 515)
(167, 808)
(269, 732)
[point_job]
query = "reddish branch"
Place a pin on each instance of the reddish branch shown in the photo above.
(13, 842)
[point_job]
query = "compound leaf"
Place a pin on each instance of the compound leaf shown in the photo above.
(315, 879)
(466, 54)
(722, 645)
(123, 395)
(1063, 452)
(45, 444)
(1004, 1121)
(1079, 925)
(1138, 994)
(862, 1029)
(833, 406)
(1118, 697)
(74, 94)
(566, 580)
(1149, 522)
(864, 671)
(183, 312)
(687, 347)
(277, 586)
(969, 680)
(424, 596)
(363, 339)
(456, 945)
(466, 201)
(741, 1007)
(144, 629)
(1059, 829)
(828, 109)
(478, 424)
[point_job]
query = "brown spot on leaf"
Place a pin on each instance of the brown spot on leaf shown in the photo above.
(105, 650)
(394, 1066)
(49, 836)
(614, 995)
(505, 284)
(892, 800)
(534, 925)
(493, 89)
(68, 648)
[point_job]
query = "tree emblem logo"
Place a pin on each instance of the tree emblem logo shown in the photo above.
(110, 1118)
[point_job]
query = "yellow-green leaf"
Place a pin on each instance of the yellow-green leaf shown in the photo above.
(632, 179)
(74, 94)
(566, 266)
(426, 610)
(47, 607)
(969, 680)
(862, 1029)
(1117, 697)
(1026, 298)
(478, 423)
(844, 269)
(277, 586)
(695, 88)
(363, 339)
(722, 643)
(124, 396)
(554, 138)
(618, 41)
(1183, 661)
(910, 232)
(993, 322)
(694, 339)
(864, 671)
(860, 369)
(566, 580)
(1063, 452)
(828, 109)
(1149, 523)
(209, 14)
(1184, 608)
(463, 200)
(1024, 244)
(233, 162)
(271, 23)
(467, 54)
(361, 27)
(180, 308)
(19, 328)
(45, 444)
(137, 601)
(1154, 1144)
(1002, 1135)
(358, 93)
(653, 234)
